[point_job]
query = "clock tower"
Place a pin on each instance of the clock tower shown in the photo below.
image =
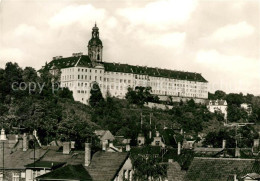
(95, 46)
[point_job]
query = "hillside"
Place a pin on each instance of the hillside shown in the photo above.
(55, 115)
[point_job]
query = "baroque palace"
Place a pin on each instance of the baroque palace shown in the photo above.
(79, 72)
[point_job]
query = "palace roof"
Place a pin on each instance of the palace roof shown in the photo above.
(84, 61)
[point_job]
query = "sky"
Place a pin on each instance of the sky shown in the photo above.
(218, 38)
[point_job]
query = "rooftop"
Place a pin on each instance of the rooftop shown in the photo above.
(84, 61)
(105, 165)
(69, 172)
(203, 168)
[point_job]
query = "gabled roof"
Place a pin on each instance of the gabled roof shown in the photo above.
(69, 172)
(155, 72)
(84, 61)
(105, 165)
(19, 158)
(220, 169)
(74, 158)
(81, 61)
(174, 172)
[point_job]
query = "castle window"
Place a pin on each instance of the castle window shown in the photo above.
(100, 71)
(104, 79)
(86, 77)
(82, 70)
(89, 77)
(95, 77)
(86, 70)
(95, 71)
(89, 70)
(78, 76)
(78, 70)
(81, 76)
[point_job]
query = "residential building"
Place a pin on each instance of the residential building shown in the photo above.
(80, 72)
(16, 152)
(217, 106)
(157, 140)
(81, 166)
(247, 108)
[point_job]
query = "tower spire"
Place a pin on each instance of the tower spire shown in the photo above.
(95, 46)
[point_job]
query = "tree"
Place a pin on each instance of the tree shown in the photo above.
(220, 94)
(148, 166)
(96, 97)
(140, 95)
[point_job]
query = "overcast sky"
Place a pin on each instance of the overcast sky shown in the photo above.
(219, 39)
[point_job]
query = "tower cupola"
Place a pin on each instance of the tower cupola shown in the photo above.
(95, 46)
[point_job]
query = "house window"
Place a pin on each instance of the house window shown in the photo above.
(15, 177)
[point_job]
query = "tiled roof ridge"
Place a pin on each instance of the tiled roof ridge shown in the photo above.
(157, 68)
(211, 158)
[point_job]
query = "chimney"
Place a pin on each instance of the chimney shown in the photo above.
(87, 154)
(224, 144)
(170, 160)
(35, 133)
(66, 148)
(127, 147)
(237, 152)
(72, 143)
(3, 135)
(25, 142)
(256, 143)
(157, 134)
(179, 148)
(104, 145)
(235, 177)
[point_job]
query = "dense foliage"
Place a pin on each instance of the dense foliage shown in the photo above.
(29, 101)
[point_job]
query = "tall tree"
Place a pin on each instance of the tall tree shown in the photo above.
(96, 97)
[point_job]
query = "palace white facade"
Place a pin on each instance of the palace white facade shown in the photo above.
(79, 72)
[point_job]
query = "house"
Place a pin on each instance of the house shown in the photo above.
(157, 140)
(105, 136)
(140, 139)
(15, 152)
(247, 108)
(38, 168)
(101, 166)
(217, 106)
(221, 169)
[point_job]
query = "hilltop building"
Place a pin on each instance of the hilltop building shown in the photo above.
(80, 72)
(217, 106)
